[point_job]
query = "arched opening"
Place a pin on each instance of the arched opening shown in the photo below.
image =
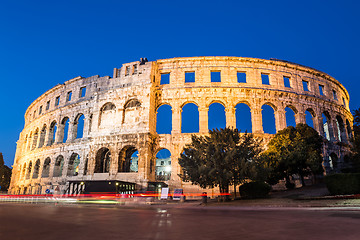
(348, 129)
(52, 132)
(35, 139)
(290, 117)
(36, 169)
(131, 111)
(340, 129)
(216, 116)
(333, 161)
(164, 119)
(268, 119)
(163, 165)
(79, 125)
(102, 161)
(28, 172)
(326, 126)
(73, 166)
(58, 167)
(107, 115)
(42, 136)
(65, 125)
(190, 118)
(128, 159)
(243, 117)
(46, 168)
(309, 118)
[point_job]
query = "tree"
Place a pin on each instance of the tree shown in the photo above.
(223, 158)
(354, 159)
(293, 150)
(5, 174)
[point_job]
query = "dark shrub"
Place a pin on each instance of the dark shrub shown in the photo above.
(343, 183)
(254, 190)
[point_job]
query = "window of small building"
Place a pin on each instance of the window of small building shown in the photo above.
(287, 82)
(189, 77)
(40, 110)
(165, 78)
(82, 92)
(321, 90)
(127, 70)
(68, 96)
(57, 101)
(334, 94)
(135, 70)
(215, 76)
(265, 79)
(47, 105)
(305, 86)
(241, 77)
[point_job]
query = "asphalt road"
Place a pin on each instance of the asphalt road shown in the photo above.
(97, 222)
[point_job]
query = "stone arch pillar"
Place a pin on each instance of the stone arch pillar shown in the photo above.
(280, 120)
(114, 164)
(230, 117)
(176, 120)
(71, 134)
(256, 120)
(203, 120)
(87, 120)
(300, 117)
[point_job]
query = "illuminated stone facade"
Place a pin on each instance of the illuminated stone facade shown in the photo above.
(89, 129)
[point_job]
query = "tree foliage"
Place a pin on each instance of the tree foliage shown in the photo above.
(355, 156)
(293, 150)
(223, 158)
(5, 174)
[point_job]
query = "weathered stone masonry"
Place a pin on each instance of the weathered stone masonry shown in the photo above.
(88, 128)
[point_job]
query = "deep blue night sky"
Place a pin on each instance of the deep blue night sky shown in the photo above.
(43, 43)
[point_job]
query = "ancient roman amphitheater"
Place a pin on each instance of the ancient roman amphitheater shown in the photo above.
(125, 133)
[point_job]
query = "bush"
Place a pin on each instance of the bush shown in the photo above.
(343, 183)
(254, 190)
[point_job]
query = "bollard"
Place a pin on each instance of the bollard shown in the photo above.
(204, 197)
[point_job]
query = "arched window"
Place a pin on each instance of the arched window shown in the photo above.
(348, 128)
(65, 125)
(326, 127)
(164, 119)
(216, 116)
(36, 169)
(73, 166)
(42, 136)
(128, 159)
(35, 139)
(309, 117)
(290, 117)
(163, 165)
(52, 132)
(243, 118)
(102, 161)
(79, 125)
(190, 118)
(58, 168)
(340, 129)
(131, 111)
(268, 119)
(107, 115)
(28, 172)
(46, 168)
